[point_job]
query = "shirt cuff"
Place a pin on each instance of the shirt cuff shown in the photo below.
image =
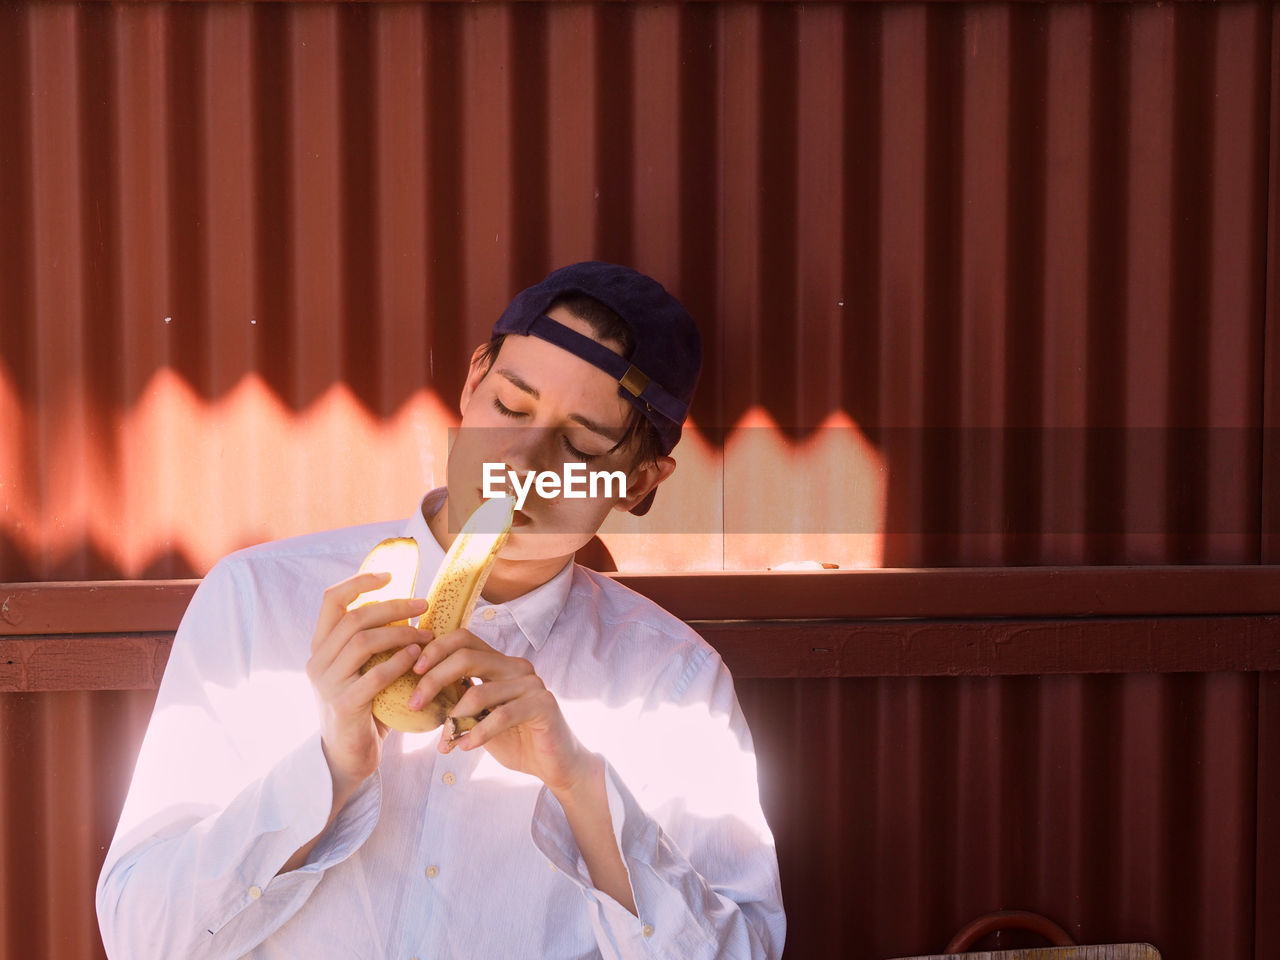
(291, 806)
(305, 773)
(668, 892)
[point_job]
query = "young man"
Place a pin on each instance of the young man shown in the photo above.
(605, 806)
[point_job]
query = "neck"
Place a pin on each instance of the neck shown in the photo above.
(509, 578)
(514, 578)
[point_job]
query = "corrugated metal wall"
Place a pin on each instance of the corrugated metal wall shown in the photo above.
(980, 284)
(989, 280)
(65, 763)
(1123, 807)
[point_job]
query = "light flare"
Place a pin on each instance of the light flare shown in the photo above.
(688, 511)
(179, 475)
(182, 475)
(823, 499)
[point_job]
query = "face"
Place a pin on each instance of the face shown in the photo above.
(538, 408)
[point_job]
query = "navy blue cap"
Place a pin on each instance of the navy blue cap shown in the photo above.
(659, 376)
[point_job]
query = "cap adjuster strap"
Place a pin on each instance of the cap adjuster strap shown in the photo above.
(634, 381)
(657, 399)
(630, 378)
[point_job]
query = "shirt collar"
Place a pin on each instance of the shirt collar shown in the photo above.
(535, 613)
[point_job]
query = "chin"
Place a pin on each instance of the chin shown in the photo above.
(531, 545)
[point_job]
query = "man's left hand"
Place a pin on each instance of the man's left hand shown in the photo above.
(524, 729)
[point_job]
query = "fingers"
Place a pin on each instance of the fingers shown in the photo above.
(493, 693)
(332, 635)
(533, 706)
(345, 639)
(351, 735)
(334, 603)
(449, 658)
(464, 642)
(363, 644)
(344, 668)
(343, 642)
(360, 692)
(445, 645)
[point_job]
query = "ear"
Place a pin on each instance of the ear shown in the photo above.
(644, 478)
(474, 375)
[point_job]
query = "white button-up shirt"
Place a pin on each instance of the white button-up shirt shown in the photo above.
(435, 856)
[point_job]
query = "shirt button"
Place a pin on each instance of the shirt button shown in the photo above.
(448, 779)
(433, 871)
(647, 930)
(255, 892)
(488, 613)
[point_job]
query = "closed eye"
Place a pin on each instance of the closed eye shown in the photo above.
(576, 453)
(506, 411)
(569, 448)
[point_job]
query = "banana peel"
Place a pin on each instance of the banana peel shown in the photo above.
(450, 603)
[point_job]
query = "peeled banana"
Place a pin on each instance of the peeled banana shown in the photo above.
(397, 556)
(450, 603)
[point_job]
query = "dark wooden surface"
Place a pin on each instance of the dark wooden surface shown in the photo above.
(124, 606)
(1108, 951)
(116, 635)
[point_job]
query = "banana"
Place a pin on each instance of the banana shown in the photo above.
(397, 556)
(450, 603)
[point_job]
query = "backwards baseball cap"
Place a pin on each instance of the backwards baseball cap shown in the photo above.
(659, 376)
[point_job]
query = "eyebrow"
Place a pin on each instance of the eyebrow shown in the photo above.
(517, 381)
(520, 383)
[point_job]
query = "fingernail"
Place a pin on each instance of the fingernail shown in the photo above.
(414, 649)
(415, 700)
(418, 604)
(421, 665)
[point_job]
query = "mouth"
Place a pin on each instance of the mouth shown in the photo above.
(518, 519)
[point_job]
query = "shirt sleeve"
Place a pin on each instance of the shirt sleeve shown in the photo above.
(230, 782)
(699, 855)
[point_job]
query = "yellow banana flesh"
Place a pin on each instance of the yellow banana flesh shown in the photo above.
(450, 603)
(397, 556)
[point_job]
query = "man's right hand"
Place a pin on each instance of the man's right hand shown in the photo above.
(344, 640)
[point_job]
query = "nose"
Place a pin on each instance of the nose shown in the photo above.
(527, 448)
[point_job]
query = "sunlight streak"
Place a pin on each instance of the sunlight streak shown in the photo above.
(202, 478)
(181, 477)
(823, 499)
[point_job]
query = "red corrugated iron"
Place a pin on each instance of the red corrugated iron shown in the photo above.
(981, 285)
(1122, 807)
(1011, 258)
(1271, 381)
(65, 763)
